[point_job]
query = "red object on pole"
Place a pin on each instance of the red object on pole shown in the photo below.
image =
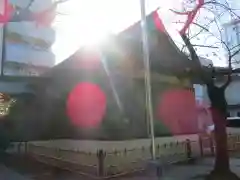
(7, 10)
(158, 22)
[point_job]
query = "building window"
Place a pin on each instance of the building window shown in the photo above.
(238, 114)
(228, 114)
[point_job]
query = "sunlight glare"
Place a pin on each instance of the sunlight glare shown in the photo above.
(89, 22)
(82, 25)
(90, 18)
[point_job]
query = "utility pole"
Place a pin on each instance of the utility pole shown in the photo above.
(3, 52)
(147, 77)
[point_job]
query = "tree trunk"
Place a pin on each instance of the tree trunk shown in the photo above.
(221, 169)
(219, 116)
(220, 134)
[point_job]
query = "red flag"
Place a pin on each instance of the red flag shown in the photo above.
(158, 22)
(6, 13)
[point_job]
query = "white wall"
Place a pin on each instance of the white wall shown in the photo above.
(234, 112)
(232, 93)
(27, 52)
(233, 98)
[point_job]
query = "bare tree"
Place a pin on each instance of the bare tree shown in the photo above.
(203, 35)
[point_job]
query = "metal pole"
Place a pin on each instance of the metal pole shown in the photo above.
(147, 77)
(3, 49)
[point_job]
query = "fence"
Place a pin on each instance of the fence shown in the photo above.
(120, 162)
(105, 164)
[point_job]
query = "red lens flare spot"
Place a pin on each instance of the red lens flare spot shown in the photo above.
(86, 105)
(177, 109)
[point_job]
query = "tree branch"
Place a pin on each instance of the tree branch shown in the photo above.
(235, 47)
(229, 76)
(199, 25)
(231, 10)
(235, 53)
(29, 4)
(229, 61)
(199, 45)
(196, 59)
(217, 17)
(226, 46)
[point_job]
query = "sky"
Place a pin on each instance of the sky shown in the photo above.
(90, 21)
(85, 22)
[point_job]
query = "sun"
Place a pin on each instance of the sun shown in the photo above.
(91, 22)
(83, 24)
(88, 18)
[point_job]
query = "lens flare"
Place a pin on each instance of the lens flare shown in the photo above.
(178, 111)
(86, 105)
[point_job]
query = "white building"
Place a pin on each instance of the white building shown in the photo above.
(233, 98)
(27, 50)
(232, 38)
(27, 46)
(231, 94)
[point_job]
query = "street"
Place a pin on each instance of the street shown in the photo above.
(185, 171)
(8, 174)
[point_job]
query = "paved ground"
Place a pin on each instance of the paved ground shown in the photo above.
(34, 170)
(187, 172)
(194, 171)
(8, 174)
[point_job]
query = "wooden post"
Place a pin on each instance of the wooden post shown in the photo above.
(158, 150)
(101, 157)
(201, 145)
(25, 147)
(211, 145)
(188, 149)
(19, 147)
